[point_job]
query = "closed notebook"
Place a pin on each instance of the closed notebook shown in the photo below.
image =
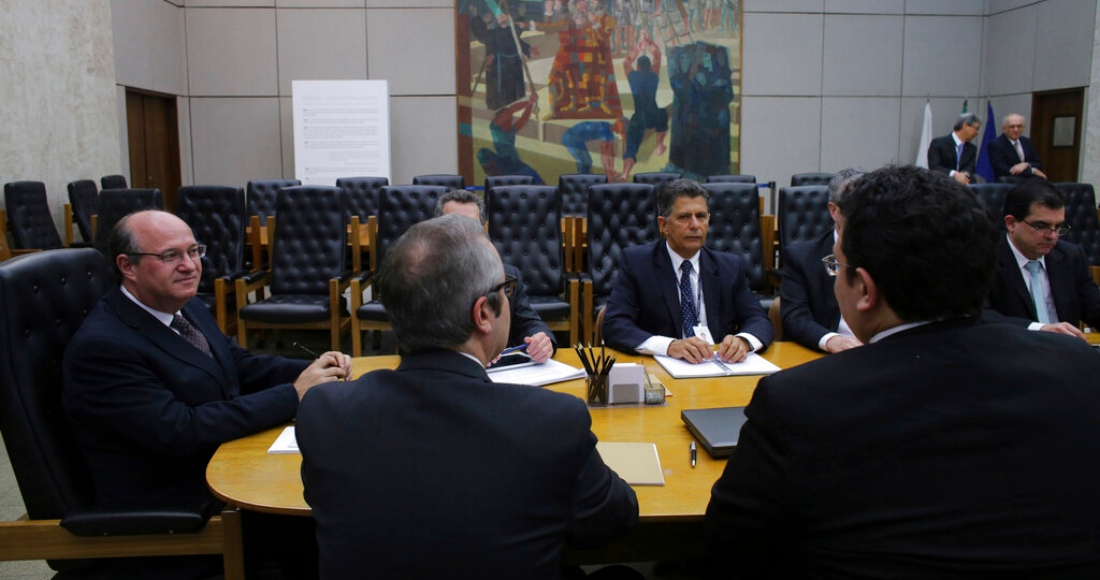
(716, 429)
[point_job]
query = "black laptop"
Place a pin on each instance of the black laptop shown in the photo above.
(716, 429)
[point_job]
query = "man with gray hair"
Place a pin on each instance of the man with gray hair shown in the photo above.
(954, 154)
(811, 316)
(434, 471)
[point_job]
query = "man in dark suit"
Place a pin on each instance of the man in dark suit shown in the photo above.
(433, 470)
(1012, 154)
(944, 448)
(659, 305)
(807, 305)
(527, 326)
(153, 387)
(1035, 216)
(954, 154)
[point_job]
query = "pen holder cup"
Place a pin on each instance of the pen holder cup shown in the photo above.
(596, 387)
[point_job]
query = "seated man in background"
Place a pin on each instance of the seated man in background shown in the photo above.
(673, 295)
(153, 387)
(944, 448)
(1012, 154)
(434, 471)
(811, 316)
(527, 327)
(1042, 282)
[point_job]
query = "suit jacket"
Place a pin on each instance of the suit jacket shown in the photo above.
(149, 409)
(525, 321)
(1076, 296)
(941, 156)
(1002, 155)
(434, 471)
(807, 302)
(951, 450)
(645, 298)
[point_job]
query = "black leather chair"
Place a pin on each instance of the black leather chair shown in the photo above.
(731, 179)
(29, 219)
(261, 195)
(525, 226)
(655, 178)
(800, 179)
(400, 207)
(113, 182)
(363, 195)
(44, 298)
(115, 204)
(803, 213)
(619, 215)
(492, 181)
(992, 196)
(1082, 218)
(217, 218)
(83, 204)
(574, 191)
(448, 180)
(309, 270)
(735, 228)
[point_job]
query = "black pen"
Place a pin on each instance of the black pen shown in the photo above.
(315, 355)
(692, 450)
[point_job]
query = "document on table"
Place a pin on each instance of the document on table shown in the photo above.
(753, 364)
(286, 442)
(636, 463)
(538, 375)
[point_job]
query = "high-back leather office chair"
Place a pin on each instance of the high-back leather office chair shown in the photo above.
(115, 204)
(735, 228)
(655, 178)
(1082, 218)
(492, 181)
(800, 179)
(113, 182)
(448, 180)
(260, 198)
(803, 213)
(29, 219)
(216, 215)
(731, 179)
(574, 191)
(992, 196)
(83, 204)
(363, 194)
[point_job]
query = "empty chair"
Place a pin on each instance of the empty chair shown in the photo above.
(655, 178)
(492, 181)
(115, 204)
(83, 204)
(216, 215)
(992, 196)
(362, 194)
(1082, 218)
(574, 191)
(29, 219)
(803, 213)
(731, 179)
(262, 194)
(735, 228)
(113, 182)
(447, 180)
(800, 179)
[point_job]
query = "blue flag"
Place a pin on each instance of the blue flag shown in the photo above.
(985, 168)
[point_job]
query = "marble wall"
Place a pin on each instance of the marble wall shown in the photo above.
(1090, 157)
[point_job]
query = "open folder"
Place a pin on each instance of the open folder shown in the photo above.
(536, 375)
(753, 364)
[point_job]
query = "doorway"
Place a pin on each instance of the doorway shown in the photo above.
(1056, 127)
(153, 136)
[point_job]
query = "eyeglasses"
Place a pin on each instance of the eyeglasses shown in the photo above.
(1043, 228)
(509, 286)
(831, 265)
(173, 257)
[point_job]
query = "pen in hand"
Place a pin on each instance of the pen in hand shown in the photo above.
(692, 450)
(315, 355)
(512, 349)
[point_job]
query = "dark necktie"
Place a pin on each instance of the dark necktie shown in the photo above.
(689, 314)
(191, 334)
(959, 155)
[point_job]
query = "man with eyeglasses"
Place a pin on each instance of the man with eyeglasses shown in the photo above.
(433, 470)
(153, 387)
(678, 298)
(945, 447)
(1011, 154)
(1042, 281)
(954, 153)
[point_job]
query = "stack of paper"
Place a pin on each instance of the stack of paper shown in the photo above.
(286, 442)
(753, 364)
(537, 375)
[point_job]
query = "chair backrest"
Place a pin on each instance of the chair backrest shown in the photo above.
(799, 179)
(29, 219)
(731, 179)
(362, 194)
(448, 180)
(115, 204)
(574, 191)
(492, 181)
(84, 197)
(262, 194)
(620, 215)
(735, 227)
(113, 182)
(217, 218)
(1082, 218)
(310, 241)
(44, 298)
(655, 178)
(525, 226)
(992, 196)
(803, 213)
(400, 208)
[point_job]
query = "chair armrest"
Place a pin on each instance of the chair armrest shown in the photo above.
(133, 523)
(254, 277)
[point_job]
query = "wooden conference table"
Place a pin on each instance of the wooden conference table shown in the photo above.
(243, 474)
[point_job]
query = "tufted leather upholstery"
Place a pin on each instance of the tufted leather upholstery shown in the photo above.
(803, 213)
(731, 179)
(29, 218)
(992, 196)
(1081, 216)
(656, 178)
(401, 207)
(446, 180)
(735, 226)
(84, 199)
(800, 179)
(217, 218)
(574, 191)
(113, 182)
(262, 194)
(115, 204)
(492, 181)
(362, 194)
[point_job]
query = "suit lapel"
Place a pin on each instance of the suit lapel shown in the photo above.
(1061, 278)
(1010, 271)
(710, 281)
(666, 284)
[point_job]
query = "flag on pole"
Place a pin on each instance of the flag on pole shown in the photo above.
(985, 168)
(966, 103)
(925, 137)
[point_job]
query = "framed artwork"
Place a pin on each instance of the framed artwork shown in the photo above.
(614, 87)
(1064, 128)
